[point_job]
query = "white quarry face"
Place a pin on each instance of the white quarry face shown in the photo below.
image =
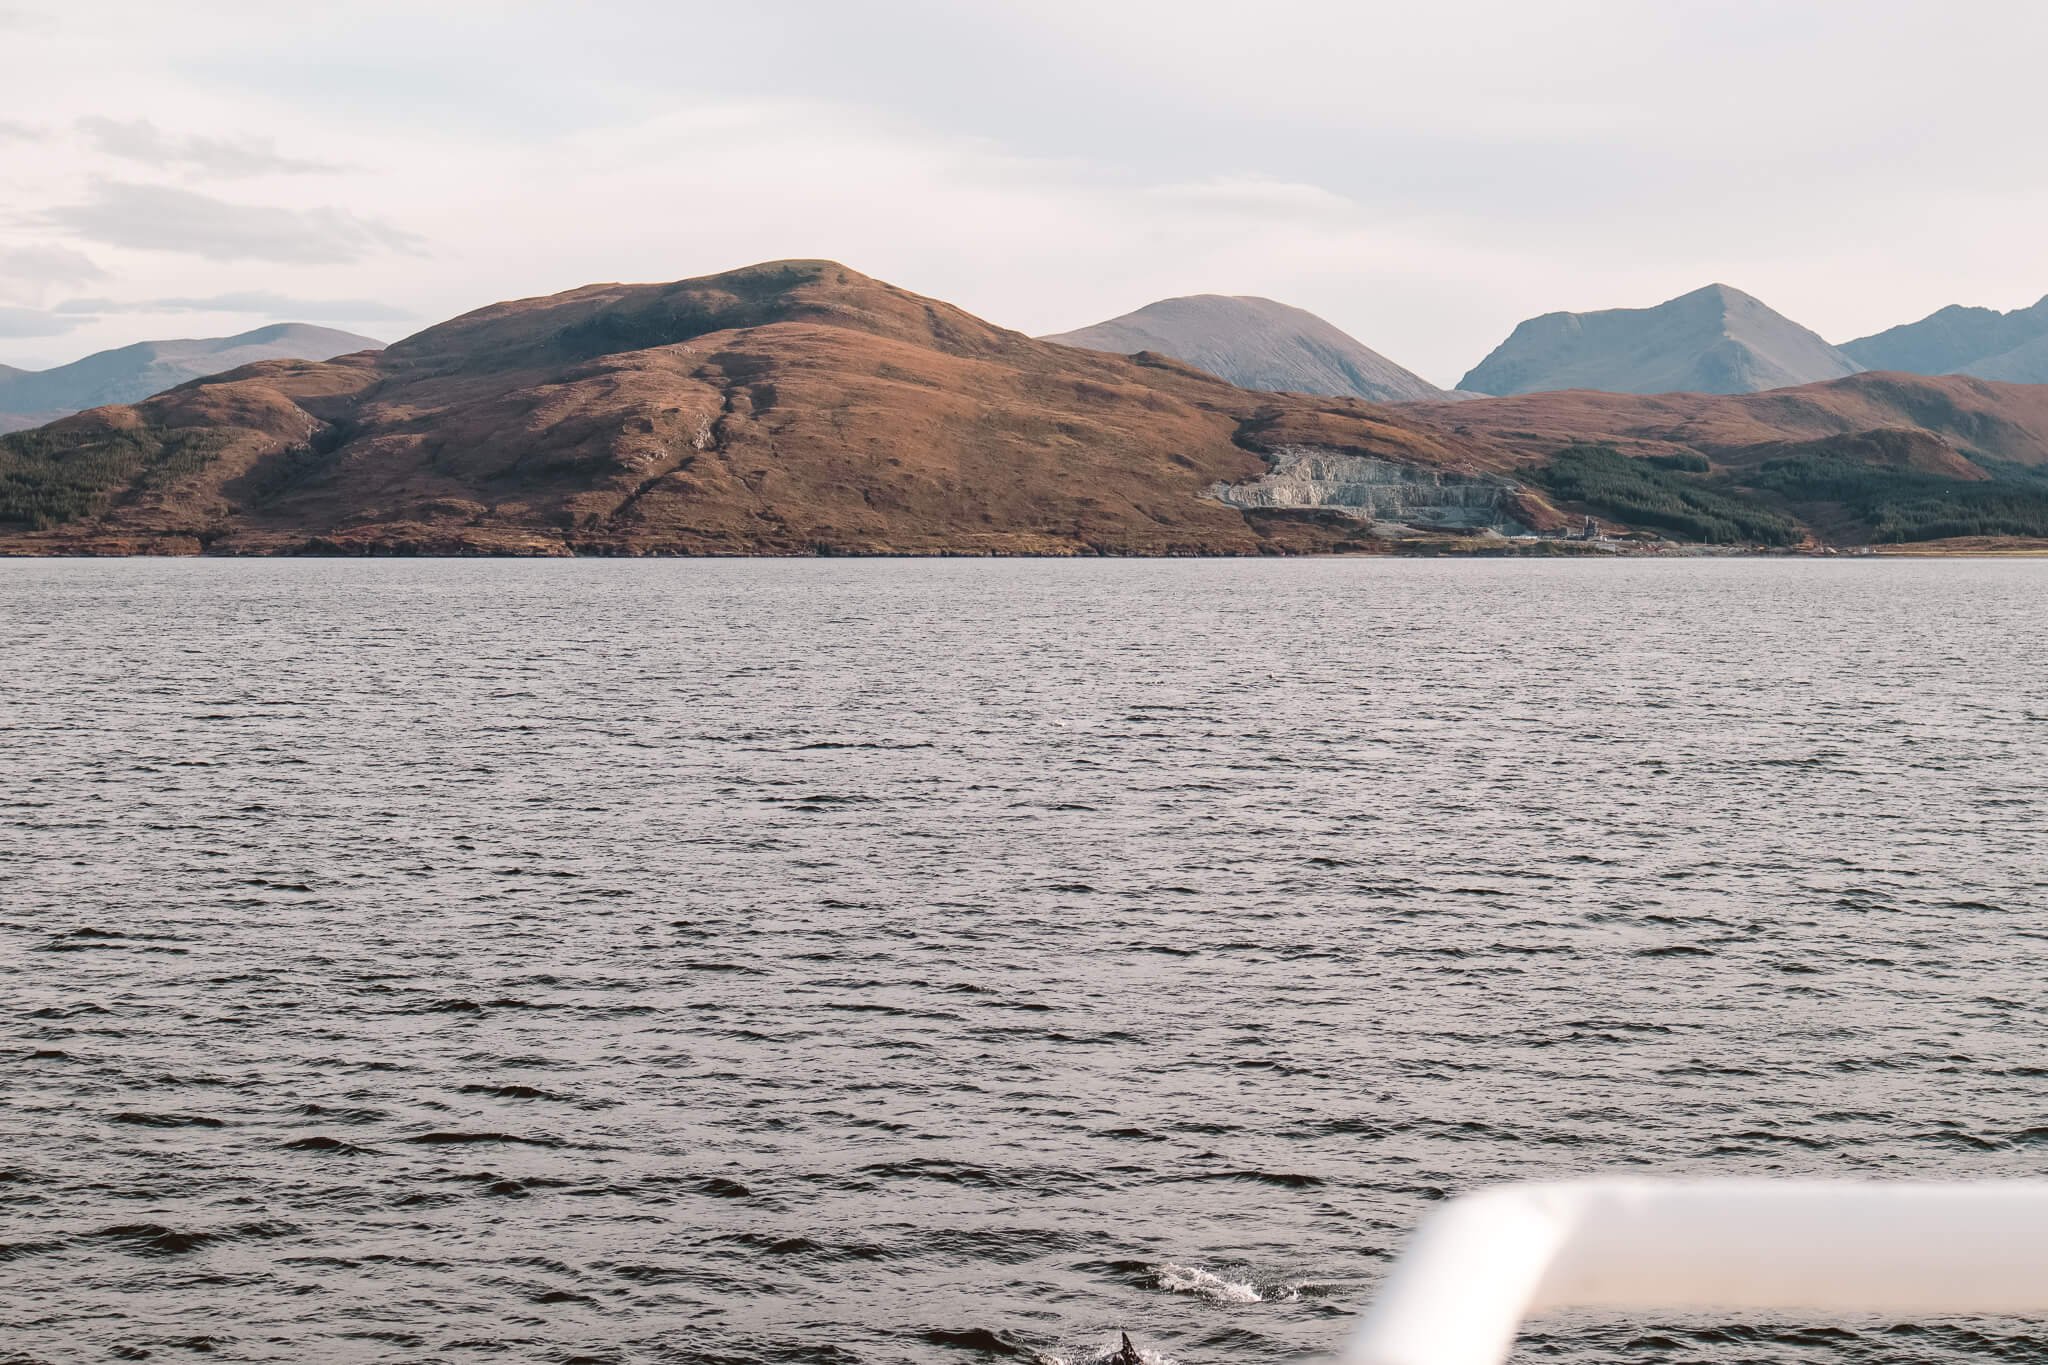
(1377, 490)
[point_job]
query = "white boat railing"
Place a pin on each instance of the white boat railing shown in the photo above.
(1482, 1263)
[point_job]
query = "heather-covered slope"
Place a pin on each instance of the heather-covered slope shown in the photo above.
(1713, 340)
(2006, 422)
(1256, 344)
(800, 407)
(790, 407)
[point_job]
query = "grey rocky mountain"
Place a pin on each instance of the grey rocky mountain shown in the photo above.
(128, 374)
(1957, 340)
(2026, 364)
(1713, 340)
(1256, 343)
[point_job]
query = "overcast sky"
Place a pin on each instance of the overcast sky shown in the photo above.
(1424, 176)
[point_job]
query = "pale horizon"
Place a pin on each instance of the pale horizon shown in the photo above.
(1424, 182)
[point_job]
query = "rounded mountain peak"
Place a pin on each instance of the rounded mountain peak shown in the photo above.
(607, 319)
(1257, 343)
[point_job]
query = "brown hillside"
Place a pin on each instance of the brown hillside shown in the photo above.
(800, 407)
(791, 407)
(2005, 421)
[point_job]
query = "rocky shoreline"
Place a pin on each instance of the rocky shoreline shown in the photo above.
(1420, 544)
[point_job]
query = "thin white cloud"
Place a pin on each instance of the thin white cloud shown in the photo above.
(252, 302)
(34, 322)
(29, 273)
(162, 218)
(55, 264)
(1254, 197)
(140, 140)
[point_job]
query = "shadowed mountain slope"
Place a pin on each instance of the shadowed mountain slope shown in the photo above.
(2026, 364)
(1713, 340)
(1980, 341)
(130, 373)
(1256, 344)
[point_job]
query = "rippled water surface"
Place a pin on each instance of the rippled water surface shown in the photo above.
(933, 961)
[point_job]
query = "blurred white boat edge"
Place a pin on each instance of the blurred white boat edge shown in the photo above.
(1485, 1262)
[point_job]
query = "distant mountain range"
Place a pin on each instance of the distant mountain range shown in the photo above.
(30, 398)
(800, 407)
(1980, 341)
(1721, 340)
(1716, 340)
(1256, 344)
(1713, 340)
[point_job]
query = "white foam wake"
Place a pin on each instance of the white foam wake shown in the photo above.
(1207, 1284)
